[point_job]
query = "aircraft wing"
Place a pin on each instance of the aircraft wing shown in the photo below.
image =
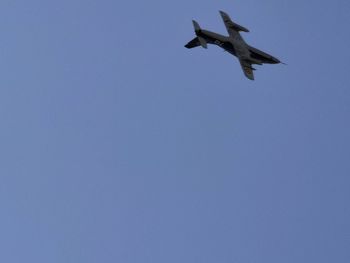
(232, 28)
(247, 69)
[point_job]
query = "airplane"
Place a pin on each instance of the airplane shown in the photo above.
(233, 44)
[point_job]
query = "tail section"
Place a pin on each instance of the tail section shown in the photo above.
(196, 26)
(203, 42)
(193, 43)
(198, 40)
(197, 30)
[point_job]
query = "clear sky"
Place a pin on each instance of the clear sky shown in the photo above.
(120, 145)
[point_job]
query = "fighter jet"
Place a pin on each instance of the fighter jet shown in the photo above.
(234, 44)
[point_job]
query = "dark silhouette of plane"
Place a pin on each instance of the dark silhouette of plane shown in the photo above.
(234, 44)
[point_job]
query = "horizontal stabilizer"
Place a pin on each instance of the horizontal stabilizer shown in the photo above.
(203, 42)
(193, 43)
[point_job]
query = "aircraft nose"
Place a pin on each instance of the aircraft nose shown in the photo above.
(276, 60)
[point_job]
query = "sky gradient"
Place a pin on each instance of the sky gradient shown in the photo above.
(120, 145)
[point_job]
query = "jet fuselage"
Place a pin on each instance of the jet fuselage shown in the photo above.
(237, 45)
(233, 44)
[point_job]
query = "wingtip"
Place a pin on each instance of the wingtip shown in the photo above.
(222, 13)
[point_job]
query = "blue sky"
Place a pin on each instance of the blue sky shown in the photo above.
(120, 145)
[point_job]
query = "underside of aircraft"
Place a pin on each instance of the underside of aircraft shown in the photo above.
(233, 44)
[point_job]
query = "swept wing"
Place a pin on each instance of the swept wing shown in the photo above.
(247, 69)
(232, 28)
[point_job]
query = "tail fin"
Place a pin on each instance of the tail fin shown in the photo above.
(197, 30)
(196, 26)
